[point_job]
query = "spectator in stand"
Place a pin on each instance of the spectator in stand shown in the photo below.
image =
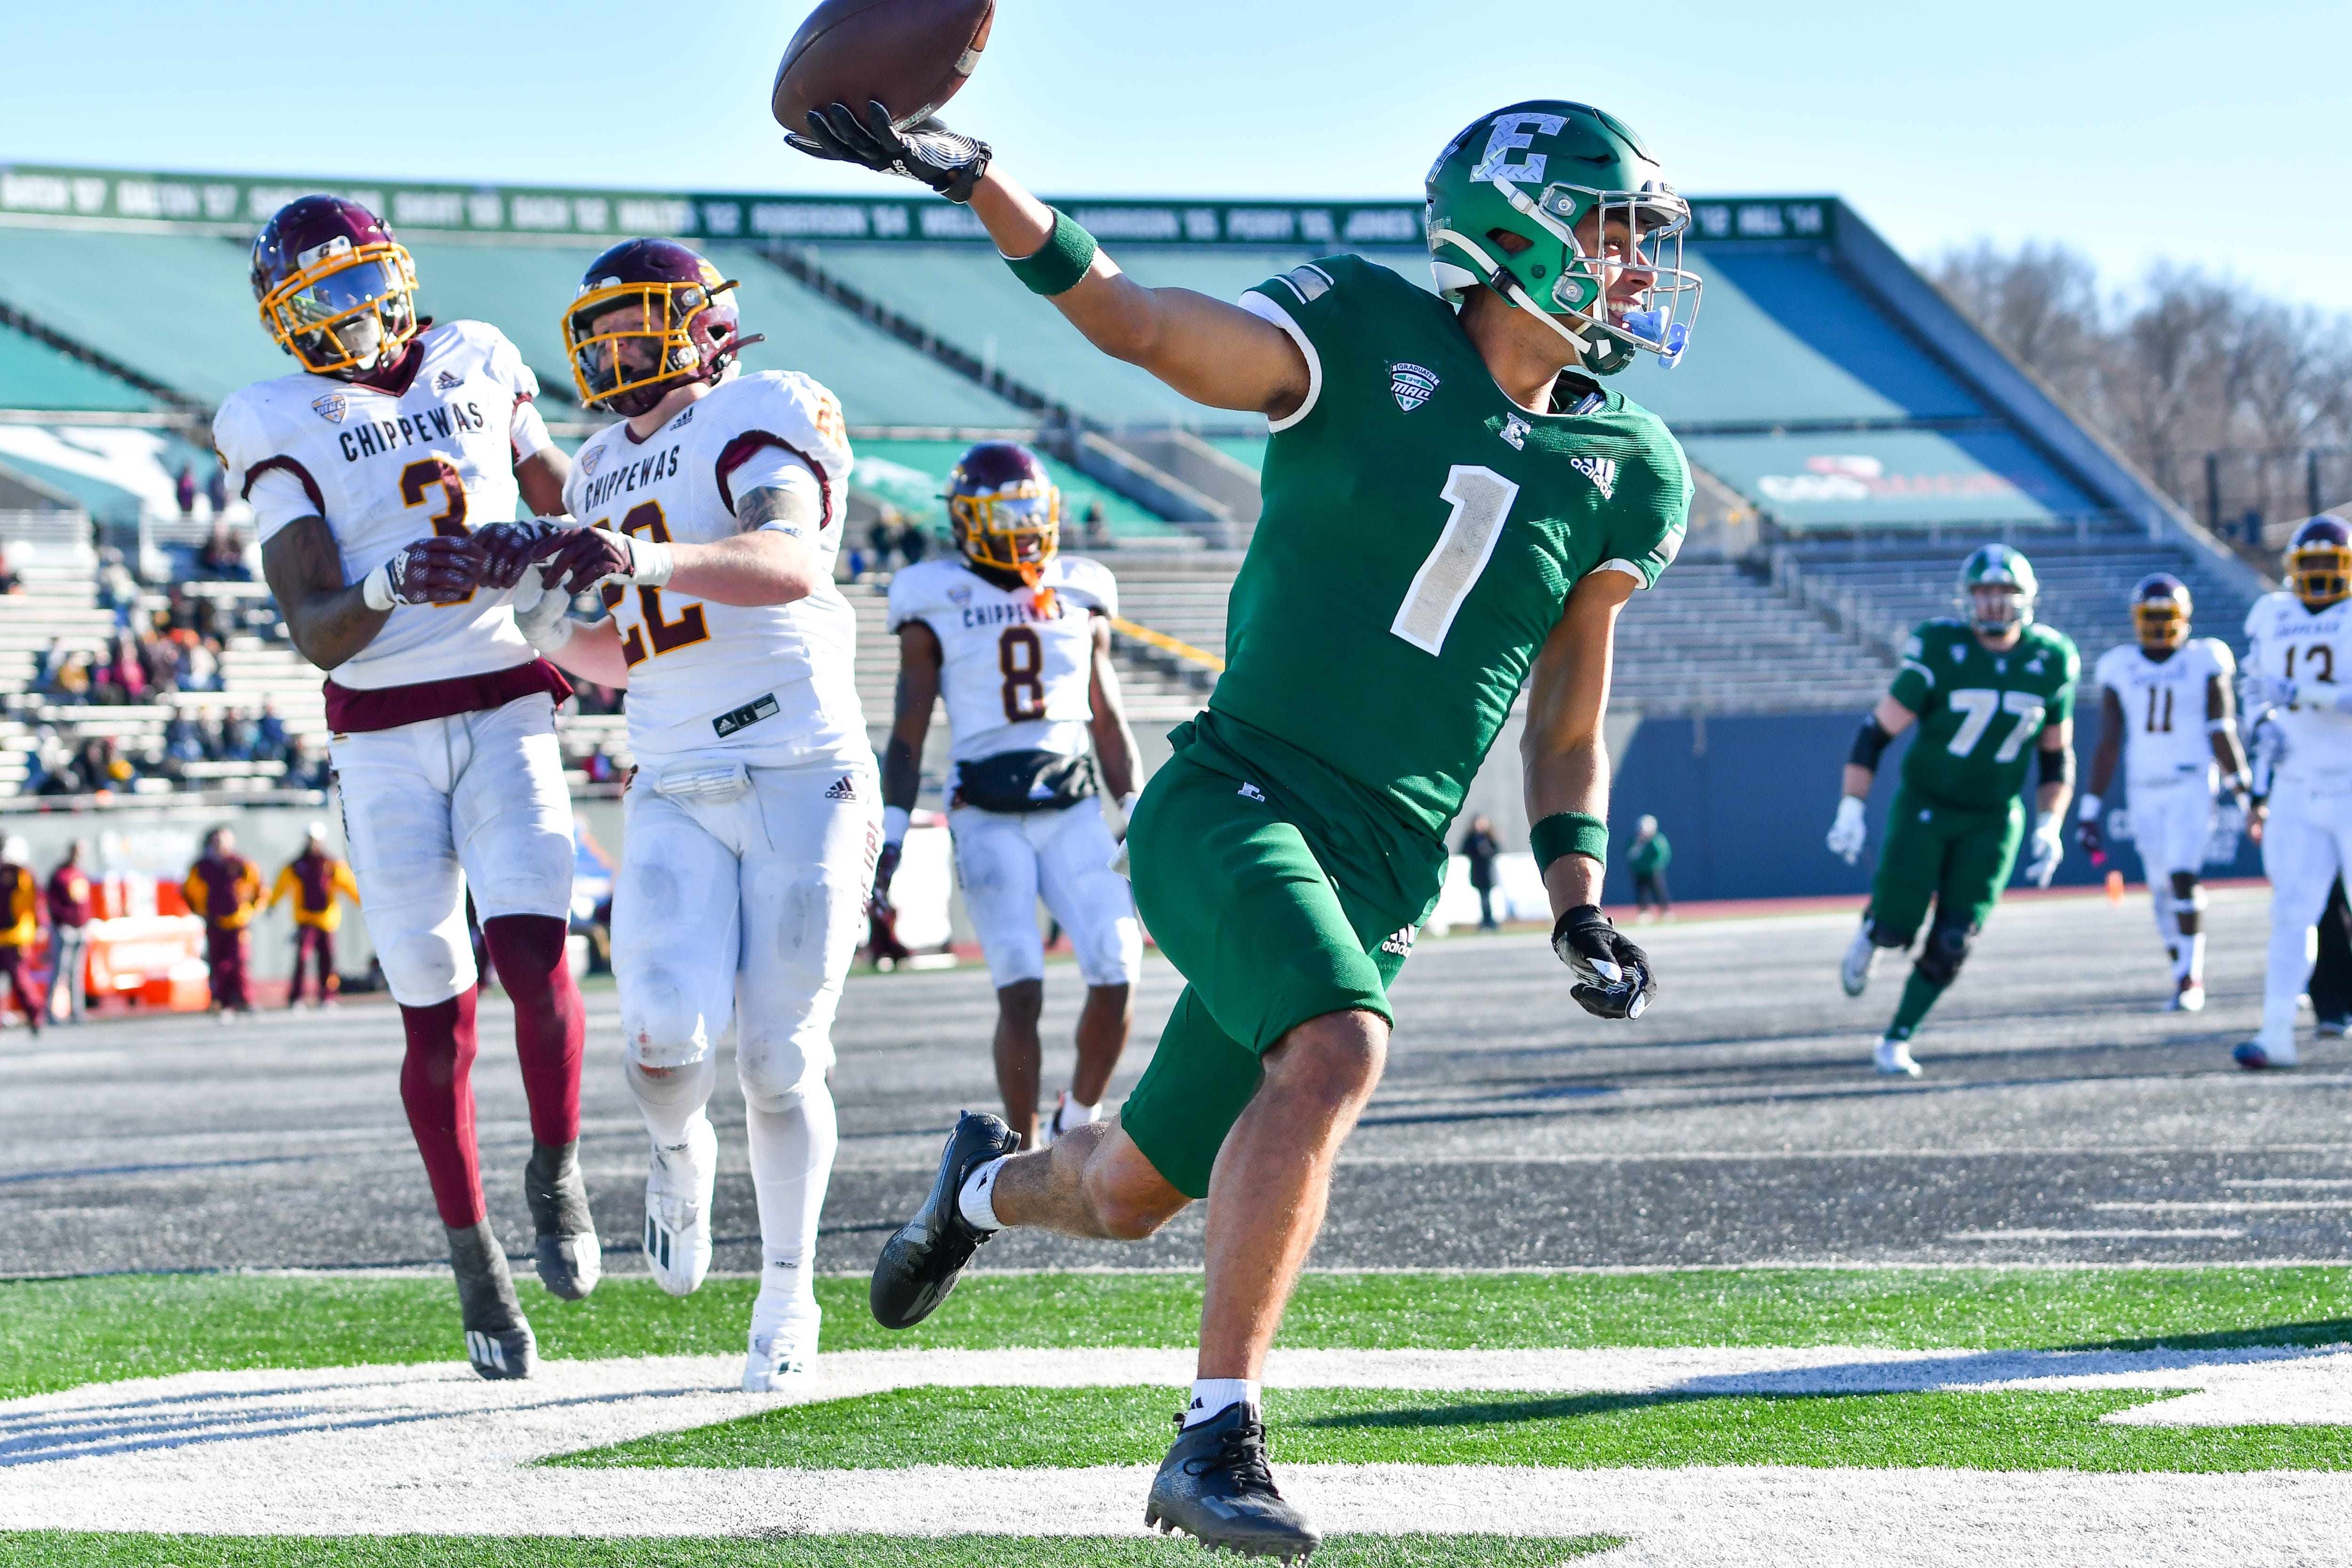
(117, 589)
(239, 736)
(270, 734)
(8, 583)
(306, 769)
(100, 767)
(20, 914)
(913, 543)
(312, 879)
(184, 489)
(1097, 527)
(222, 556)
(217, 490)
(122, 677)
(70, 908)
(1480, 847)
(225, 887)
(1647, 861)
(199, 665)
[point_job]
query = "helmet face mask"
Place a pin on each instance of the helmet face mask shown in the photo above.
(1997, 590)
(1004, 510)
(650, 316)
(2319, 562)
(2160, 610)
(333, 287)
(1574, 246)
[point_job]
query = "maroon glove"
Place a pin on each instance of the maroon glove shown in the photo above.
(882, 931)
(509, 548)
(438, 570)
(586, 556)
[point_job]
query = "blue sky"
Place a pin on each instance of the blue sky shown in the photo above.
(2206, 134)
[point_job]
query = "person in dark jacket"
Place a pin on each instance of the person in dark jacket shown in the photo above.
(1647, 861)
(1479, 846)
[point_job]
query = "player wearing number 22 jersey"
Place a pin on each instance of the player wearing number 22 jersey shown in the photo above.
(1986, 693)
(370, 472)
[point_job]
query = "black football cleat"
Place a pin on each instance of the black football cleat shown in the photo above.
(919, 1263)
(499, 1341)
(569, 1258)
(1214, 1486)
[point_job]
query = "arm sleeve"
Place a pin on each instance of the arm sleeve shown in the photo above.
(2062, 706)
(905, 598)
(1646, 542)
(528, 431)
(2225, 663)
(279, 497)
(774, 468)
(1913, 682)
(1311, 304)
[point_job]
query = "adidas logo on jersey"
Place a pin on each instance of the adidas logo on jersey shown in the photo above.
(843, 788)
(448, 381)
(1410, 384)
(1601, 471)
(1399, 942)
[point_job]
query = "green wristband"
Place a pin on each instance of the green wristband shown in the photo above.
(1569, 833)
(1057, 269)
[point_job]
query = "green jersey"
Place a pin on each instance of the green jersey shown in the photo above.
(1980, 711)
(1420, 535)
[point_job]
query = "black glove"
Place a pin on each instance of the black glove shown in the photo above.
(885, 865)
(1613, 978)
(439, 570)
(509, 547)
(929, 151)
(584, 557)
(2087, 835)
(882, 921)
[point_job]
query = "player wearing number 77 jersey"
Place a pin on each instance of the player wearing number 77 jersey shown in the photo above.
(1455, 509)
(372, 472)
(1986, 691)
(2165, 716)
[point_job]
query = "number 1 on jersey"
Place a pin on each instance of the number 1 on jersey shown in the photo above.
(1482, 500)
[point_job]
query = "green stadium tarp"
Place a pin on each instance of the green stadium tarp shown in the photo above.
(1890, 478)
(35, 376)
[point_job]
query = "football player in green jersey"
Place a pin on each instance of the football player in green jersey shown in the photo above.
(1983, 690)
(1454, 507)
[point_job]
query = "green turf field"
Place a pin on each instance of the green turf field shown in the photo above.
(57, 1334)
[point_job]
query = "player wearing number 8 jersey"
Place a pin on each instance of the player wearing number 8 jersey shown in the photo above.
(1987, 693)
(374, 471)
(1454, 507)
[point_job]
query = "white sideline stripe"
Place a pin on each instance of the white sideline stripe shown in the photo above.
(432, 1450)
(2226, 1205)
(2032, 1234)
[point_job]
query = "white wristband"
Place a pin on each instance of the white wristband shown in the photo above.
(894, 824)
(2088, 811)
(376, 588)
(650, 563)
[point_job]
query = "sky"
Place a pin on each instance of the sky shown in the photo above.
(2142, 132)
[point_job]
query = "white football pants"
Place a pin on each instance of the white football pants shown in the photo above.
(2306, 843)
(435, 809)
(2171, 822)
(1005, 861)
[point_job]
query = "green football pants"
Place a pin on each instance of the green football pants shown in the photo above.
(1959, 860)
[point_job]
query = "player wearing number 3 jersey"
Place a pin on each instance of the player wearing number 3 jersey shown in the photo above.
(1987, 693)
(1455, 509)
(373, 471)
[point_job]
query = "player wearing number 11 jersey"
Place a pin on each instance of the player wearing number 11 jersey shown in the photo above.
(371, 470)
(1988, 692)
(1454, 507)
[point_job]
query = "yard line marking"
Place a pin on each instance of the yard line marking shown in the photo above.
(2224, 1235)
(2225, 1206)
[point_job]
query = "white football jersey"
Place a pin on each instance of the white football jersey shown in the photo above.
(763, 685)
(1016, 678)
(2288, 643)
(387, 469)
(2164, 704)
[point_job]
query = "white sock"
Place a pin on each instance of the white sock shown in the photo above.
(1213, 1396)
(792, 1159)
(671, 1100)
(2193, 967)
(977, 1201)
(2167, 925)
(1074, 1112)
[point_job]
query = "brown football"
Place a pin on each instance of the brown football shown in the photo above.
(908, 54)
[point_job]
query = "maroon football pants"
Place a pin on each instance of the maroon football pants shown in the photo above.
(527, 953)
(317, 948)
(12, 964)
(225, 950)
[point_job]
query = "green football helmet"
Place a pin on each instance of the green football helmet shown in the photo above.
(1998, 566)
(1505, 200)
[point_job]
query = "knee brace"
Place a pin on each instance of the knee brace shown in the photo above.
(1881, 937)
(1946, 949)
(2194, 904)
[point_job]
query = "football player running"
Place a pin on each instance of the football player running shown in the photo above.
(713, 517)
(2299, 666)
(1454, 506)
(1985, 692)
(1016, 636)
(2155, 691)
(375, 471)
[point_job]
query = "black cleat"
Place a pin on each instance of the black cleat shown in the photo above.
(569, 1261)
(919, 1263)
(497, 1337)
(1214, 1487)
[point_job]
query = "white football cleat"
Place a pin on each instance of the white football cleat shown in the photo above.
(678, 1208)
(1894, 1058)
(2190, 998)
(784, 1356)
(1861, 959)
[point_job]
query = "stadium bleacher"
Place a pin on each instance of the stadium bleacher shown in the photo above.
(36, 375)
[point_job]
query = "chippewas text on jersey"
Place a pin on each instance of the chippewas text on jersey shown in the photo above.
(764, 685)
(1017, 677)
(1980, 711)
(2288, 643)
(2165, 703)
(385, 466)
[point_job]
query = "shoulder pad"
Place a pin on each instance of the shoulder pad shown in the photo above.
(916, 591)
(1089, 580)
(799, 410)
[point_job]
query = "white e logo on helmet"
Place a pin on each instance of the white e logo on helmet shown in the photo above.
(1509, 133)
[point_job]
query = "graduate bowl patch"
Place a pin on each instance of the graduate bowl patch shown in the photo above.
(1411, 384)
